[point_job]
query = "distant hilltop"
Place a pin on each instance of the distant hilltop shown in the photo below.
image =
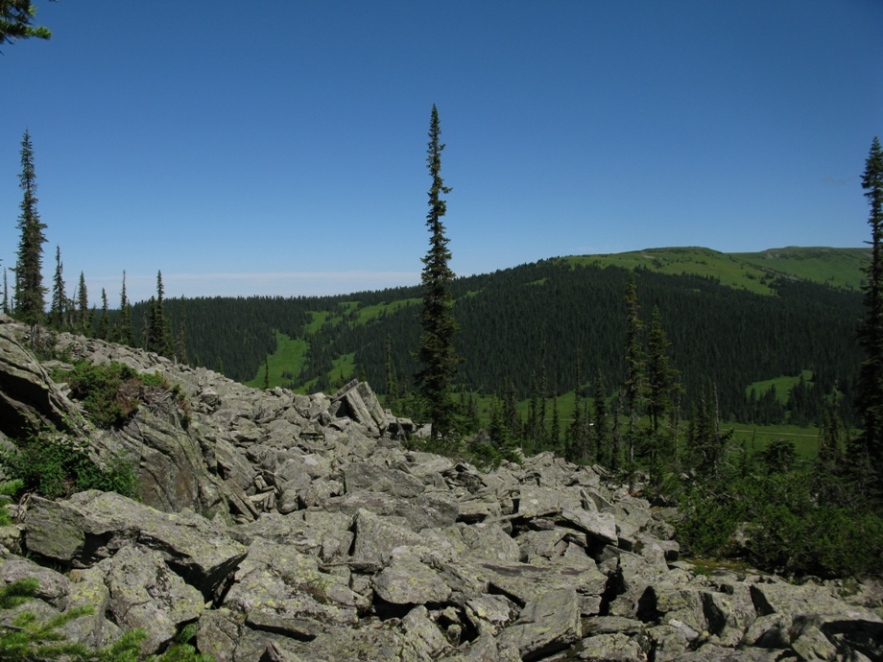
(836, 267)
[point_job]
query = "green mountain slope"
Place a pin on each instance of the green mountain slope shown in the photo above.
(837, 267)
(733, 320)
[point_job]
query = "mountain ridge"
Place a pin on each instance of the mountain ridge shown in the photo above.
(727, 319)
(835, 267)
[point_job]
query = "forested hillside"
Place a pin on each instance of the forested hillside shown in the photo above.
(537, 327)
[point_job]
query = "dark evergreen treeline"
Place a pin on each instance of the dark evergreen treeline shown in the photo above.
(541, 319)
(534, 323)
(230, 335)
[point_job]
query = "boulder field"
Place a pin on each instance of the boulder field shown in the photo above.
(292, 528)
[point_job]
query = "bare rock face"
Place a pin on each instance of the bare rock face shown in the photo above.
(291, 527)
(93, 525)
(29, 400)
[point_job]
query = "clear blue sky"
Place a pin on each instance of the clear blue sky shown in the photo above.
(279, 147)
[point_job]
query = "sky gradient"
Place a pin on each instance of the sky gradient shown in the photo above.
(279, 148)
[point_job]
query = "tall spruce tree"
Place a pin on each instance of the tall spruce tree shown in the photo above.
(498, 431)
(602, 448)
(633, 391)
(437, 355)
(662, 389)
(123, 332)
(59, 298)
(707, 443)
(554, 440)
(660, 374)
(181, 355)
(573, 449)
(866, 451)
(5, 294)
(392, 385)
(158, 331)
(29, 291)
(84, 315)
(104, 320)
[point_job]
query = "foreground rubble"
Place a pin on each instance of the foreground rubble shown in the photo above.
(294, 528)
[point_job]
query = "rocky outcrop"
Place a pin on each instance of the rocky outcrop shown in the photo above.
(29, 400)
(291, 527)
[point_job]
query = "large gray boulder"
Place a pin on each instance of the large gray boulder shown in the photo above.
(279, 589)
(548, 623)
(93, 525)
(145, 593)
(29, 399)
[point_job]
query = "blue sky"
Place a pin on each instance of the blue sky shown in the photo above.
(279, 147)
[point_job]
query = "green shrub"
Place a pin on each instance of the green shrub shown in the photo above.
(55, 466)
(8, 489)
(783, 527)
(111, 393)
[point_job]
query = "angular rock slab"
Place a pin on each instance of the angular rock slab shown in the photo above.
(54, 587)
(548, 623)
(146, 594)
(525, 582)
(615, 646)
(423, 639)
(357, 401)
(376, 537)
(29, 400)
(218, 632)
(93, 525)
(281, 590)
(408, 581)
(381, 641)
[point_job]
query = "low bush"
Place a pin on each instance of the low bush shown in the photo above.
(56, 466)
(776, 523)
(111, 393)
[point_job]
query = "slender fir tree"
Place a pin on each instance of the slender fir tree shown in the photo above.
(662, 388)
(707, 443)
(59, 298)
(437, 355)
(498, 431)
(181, 355)
(615, 455)
(554, 442)
(573, 450)
(634, 382)
(29, 291)
(158, 335)
(392, 385)
(660, 374)
(84, 315)
(5, 294)
(866, 451)
(510, 410)
(104, 320)
(533, 426)
(603, 450)
(123, 332)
